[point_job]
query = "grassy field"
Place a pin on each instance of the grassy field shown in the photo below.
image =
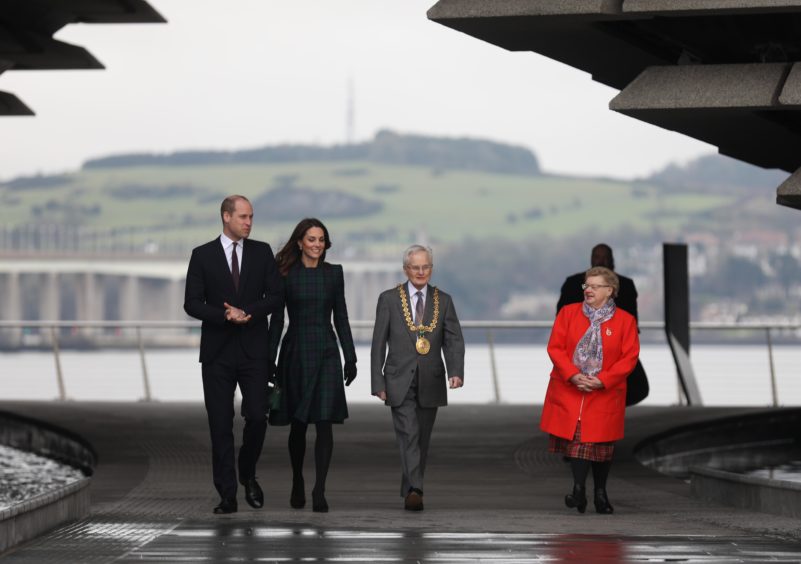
(446, 206)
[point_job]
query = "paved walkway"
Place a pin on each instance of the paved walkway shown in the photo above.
(492, 494)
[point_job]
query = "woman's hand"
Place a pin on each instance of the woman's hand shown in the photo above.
(586, 383)
(595, 383)
(350, 372)
(580, 381)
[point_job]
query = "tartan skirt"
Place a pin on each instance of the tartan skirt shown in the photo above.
(595, 452)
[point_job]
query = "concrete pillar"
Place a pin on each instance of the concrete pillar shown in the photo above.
(175, 311)
(13, 299)
(352, 296)
(50, 305)
(12, 308)
(90, 302)
(129, 299)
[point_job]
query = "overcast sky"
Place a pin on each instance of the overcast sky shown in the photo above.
(230, 74)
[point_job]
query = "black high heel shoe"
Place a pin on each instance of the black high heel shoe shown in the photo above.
(577, 499)
(319, 504)
(602, 504)
(297, 498)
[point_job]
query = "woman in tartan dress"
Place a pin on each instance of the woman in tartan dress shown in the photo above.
(594, 346)
(309, 371)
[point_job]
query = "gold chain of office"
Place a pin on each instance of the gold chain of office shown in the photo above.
(423, 346)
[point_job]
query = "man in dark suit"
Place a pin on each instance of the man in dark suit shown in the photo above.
(572, 292)
(418, 323)
(232, 285)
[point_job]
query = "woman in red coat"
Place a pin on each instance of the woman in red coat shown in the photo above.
(594, 346)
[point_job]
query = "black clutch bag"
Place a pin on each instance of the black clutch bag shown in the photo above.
(274, 401)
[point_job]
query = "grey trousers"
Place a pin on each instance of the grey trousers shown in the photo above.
(413, 426)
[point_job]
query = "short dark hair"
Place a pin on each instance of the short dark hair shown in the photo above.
(602, 256)
(229, 203)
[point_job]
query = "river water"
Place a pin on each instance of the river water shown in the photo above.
(727, 375)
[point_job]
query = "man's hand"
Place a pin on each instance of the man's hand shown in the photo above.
(455, 382)
(235, 315)
(382, 395)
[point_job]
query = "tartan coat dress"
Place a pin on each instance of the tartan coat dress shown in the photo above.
(309, 368)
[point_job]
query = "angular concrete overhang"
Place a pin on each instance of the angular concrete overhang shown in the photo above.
(10, 105)
(722, 71)
(735, 107)
(789, 192)
(27, 27)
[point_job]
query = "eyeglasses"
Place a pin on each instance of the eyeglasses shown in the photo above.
(594, 287)
(421, 268)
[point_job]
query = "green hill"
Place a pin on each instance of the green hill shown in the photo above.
(376, 195)
(385, 204)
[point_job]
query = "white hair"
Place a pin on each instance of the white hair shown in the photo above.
(414, 249)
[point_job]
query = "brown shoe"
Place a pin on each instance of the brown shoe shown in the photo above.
(413, 501)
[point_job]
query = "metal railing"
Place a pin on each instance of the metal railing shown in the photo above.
(490, 327)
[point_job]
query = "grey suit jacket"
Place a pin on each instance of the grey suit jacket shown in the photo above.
(393, 371)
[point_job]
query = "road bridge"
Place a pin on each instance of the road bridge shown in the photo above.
(138, 289)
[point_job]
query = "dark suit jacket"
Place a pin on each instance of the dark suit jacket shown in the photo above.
(209, 284)
(394, 371)
(572, 293)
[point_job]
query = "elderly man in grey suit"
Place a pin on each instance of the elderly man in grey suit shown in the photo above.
(419, 324)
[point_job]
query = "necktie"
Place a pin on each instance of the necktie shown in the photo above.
(235, 268)
(418, 309)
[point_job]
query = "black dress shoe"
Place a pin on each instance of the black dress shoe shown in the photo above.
(602, 504)
(253, 494)
(577, 499)
(227, 505)
(319, 504)
(413, 500)
(297, 498)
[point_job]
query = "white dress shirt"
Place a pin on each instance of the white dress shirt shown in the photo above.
(413, 299)
(228, 248)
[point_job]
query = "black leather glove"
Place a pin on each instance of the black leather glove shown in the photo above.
(350, 372)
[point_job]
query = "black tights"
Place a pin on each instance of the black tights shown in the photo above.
(323, 449)
(600, 472)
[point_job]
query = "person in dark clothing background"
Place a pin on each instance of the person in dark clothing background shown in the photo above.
(626, 300)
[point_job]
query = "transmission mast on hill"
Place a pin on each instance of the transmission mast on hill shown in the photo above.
(350, 115)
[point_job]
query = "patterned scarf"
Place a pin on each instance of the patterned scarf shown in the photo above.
(589, 353)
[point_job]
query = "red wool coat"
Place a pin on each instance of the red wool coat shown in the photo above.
(602, 411)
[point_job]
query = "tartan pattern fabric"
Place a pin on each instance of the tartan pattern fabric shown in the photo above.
(595, 452)
(309, 368)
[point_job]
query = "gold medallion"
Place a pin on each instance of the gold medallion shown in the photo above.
(422, 345)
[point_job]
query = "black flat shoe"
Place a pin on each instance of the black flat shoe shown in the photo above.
(602, 504)
(253, 494)
(319, 504)
(226, 506)
(577, 499)
(297, 498)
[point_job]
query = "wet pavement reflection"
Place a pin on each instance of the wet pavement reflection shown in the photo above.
(244, 542)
